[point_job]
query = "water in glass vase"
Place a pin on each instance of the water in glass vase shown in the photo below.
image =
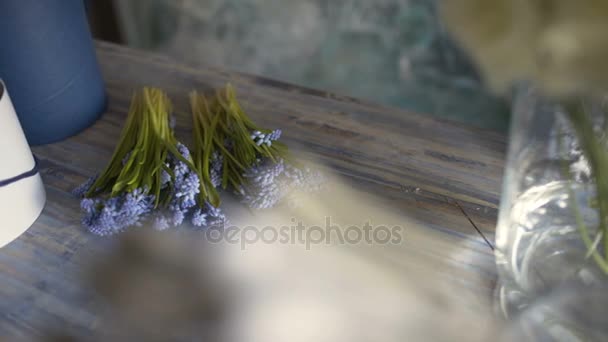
(546, 248)
(548, 208)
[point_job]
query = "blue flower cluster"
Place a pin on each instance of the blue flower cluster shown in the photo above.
(305, 179)
(82, 189)
(262, 188)
(266, 139)
(216, 167)
(268, 183)
(185, 189)
(208, 216)
(110, 216)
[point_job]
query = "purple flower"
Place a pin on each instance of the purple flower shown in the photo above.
(173, 216)
(183, 150)
(184, 188)
(186, 184)
(161, 223)
(89, 205)
(263, 189)
(207, 216)
(305, 179)
(165, 178)
(264, 173)
(275, 135)
(216, 167)
(136, 203)
(269, 183)
(178, 217)
(84, 187)
(179, 168)
(199, 218)
(272, 136)
(214, 215)
(263, 197)
(265, 139)
(111, 216)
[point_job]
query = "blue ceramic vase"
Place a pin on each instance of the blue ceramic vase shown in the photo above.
(48, 61)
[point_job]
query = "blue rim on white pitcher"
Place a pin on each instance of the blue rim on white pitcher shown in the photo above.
(22, 194)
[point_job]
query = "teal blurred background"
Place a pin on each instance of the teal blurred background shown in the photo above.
(392, 52)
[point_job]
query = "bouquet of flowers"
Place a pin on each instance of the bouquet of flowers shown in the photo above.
(153, 176)
(231, 151)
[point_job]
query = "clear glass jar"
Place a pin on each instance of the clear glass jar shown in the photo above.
(548, 205)
(567, 314)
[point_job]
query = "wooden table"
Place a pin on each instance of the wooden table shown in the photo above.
(443, 175)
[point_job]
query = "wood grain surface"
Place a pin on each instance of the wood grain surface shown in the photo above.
(443, 175)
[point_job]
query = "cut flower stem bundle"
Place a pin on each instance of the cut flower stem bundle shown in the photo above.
(145, 144)
(152, 176)
(220, 127)
(596, 153)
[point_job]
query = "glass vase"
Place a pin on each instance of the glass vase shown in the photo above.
(567, 314)
(548, 234)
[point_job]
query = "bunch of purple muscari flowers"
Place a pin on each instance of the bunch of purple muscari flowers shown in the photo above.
(113, 215)
(269, 182)
(185, 189)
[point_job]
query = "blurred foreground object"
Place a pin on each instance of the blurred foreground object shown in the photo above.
(560, 44)
(184, 286)
(160, 284)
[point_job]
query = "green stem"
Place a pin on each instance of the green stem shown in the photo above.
(221, 118)
(598, 162)
(580, 222)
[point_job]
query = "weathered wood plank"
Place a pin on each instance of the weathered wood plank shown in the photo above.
(440, 174)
